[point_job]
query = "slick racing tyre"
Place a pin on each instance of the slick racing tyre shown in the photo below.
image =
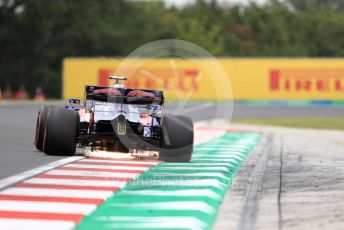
(61, 132)
(177, 139)
(40, 127)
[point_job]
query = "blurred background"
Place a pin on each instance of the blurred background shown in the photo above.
(36, 35)
(275, 51)
(265, 62)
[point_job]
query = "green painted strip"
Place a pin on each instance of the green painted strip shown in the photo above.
(177, 195)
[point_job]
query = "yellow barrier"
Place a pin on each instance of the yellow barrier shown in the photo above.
(243, 79)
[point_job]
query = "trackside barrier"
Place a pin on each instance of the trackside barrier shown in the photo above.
(250, 79)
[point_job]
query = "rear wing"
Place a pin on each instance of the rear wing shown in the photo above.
(92, 93)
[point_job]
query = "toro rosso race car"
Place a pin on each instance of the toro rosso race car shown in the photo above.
(116, 119)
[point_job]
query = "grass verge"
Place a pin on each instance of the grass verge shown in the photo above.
(336, 123)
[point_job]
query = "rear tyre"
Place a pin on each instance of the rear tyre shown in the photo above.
(40, 127)
(61, 132)
(177, 139)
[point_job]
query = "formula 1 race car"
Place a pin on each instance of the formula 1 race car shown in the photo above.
(116, 119)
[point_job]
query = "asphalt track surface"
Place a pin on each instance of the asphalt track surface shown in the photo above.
(17, 125)
(292, 180)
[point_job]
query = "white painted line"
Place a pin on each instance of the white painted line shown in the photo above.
(223, 156)
(175, 193)
(231, 154)
(71, 193)
(92, 174)
(247, 141)
(105, 183)
(120, 161)
(197, 164)
(194, 168)
(81, 166)
(191, 183)
(222, 153)
(199, 206)
(242, 142)
(210, 159)
(161, 225)
(25, 224)
(50, 207)
(33, 172)
(198, 174)
(243, 146)
(220, 149)
(237, 157)
(152, 222)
